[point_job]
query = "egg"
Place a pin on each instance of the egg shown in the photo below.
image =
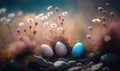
(60, 49)
(46, 50)
(110, 58)
(77, 50)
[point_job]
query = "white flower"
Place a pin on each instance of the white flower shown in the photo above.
(2, 10)
(36, 17)
(21, 24)
(107, 38)
(3, 19)
(44, 17)
(49, 13)
(40, 15)
(45, 24)
(59, 29)
(30, 20)
(64, 13)
(96, 20)
(19, 13)
(53, 25)
(49, 7)
(11, 15)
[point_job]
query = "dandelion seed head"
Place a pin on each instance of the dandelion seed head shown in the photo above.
(44, 17)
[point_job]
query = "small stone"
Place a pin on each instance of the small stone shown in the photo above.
(72, 62)
(40, 61)
(96, 66)
(62, 59)
(79, 64)
(60, 65)
(78, 68)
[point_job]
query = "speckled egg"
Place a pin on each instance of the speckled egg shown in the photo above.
(60, 49)
(46, 50)
(77, 50)
(110, 58)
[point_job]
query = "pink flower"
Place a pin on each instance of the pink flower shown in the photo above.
(104, 12)
(88, 37)
(100, 9)
(112, 14)
(103, 19)
(24, 30)
(36, 23)
(18, 31)
(34, 32)
(57, 9)
(30, 26)
(107, 4)
(90, 28)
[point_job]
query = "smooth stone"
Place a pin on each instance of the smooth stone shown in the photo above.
(46, 50)
(96, 66)
(110, 58)
(40, 61)
(62, 59)
(78, 68)
(60, 49)
(60, 65)
(77, 50)
(72, 62)
(79, 64)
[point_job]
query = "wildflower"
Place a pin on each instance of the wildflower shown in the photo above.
(34, 32)
(21, 24)
(100, 9)
(112, 14)
(49, 7)
(63, 19)
(96, 20)
(45, 24)
(19, 13)
(49, 13)
(24, 29)
(57, 9)
(103, 18)
(107, 4)
(59, 17)
(30, 20)
(30, 26)
(36, 23)
(11, 15)
(2, 10)
(59, 29)
(88, 36)
(90, 28)
(18, 31)
(40, 15)
(107, 38)
(44, 17)
(64, 13)
(104, 12)
(53, 25)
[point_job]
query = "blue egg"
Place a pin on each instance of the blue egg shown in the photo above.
(77, 50)
(110, 57)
